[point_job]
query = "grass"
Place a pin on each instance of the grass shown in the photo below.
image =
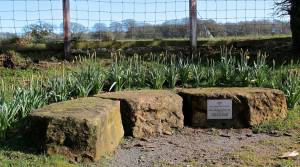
(15, 153)
(10, 79)
(292, 121)
(87, 78)
(20, 159)
(137, 43)
(172, 42)
(250, 157)
(266, 153)
(12, 158)
(246, 38)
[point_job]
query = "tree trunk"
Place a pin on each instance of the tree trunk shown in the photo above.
(295, 24)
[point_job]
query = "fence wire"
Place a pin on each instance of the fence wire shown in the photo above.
(140, 19)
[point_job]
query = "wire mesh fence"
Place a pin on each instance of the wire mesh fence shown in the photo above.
(140, 19)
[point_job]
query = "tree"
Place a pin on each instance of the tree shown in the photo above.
(116, 29)
(39, 31)
(101, 31)
(129, 25)
(77, 30)
(99, 27)
(292, 8)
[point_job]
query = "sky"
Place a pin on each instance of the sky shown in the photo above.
(15, 14)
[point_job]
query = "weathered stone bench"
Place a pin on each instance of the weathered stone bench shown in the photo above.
(81, 129)
(149, 112)
(232, 107)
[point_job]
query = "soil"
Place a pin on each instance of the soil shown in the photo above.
(208, 147)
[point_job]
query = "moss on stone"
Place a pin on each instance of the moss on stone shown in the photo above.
(80, 129)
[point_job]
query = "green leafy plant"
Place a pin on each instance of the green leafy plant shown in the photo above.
(8, 115)
(260, 71)
(23, 102)
(59, 89)
(171, 72)
(290, 85)
(157, 76)
(227, 67)
(87, 81)
(140, 75)
(212, 74)
(133, 72)
(2, 96)
(29, 99)
(198, 75)
(117, 76)
(129, 74)
(184, 72)
(243, 69)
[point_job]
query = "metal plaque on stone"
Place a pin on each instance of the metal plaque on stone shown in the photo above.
(219, 109)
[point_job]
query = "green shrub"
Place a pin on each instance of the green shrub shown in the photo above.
(227, 67)
(212, 75)
(243, 70)
(260, 71)
(29, 99)
(87, 81)
(198, 75)
(59, 89)
(117, 77)
(290, 85)
(23, 102)
(140, 74)
(8, 115)
(171, 72)
(157, 76)
(184, 72)
(2, 97)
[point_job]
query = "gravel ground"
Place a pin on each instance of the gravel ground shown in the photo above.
(207, 147)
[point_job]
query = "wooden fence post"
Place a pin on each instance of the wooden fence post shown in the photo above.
(193, 26)
(67, 34)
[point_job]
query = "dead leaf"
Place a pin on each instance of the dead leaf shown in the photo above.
(167, 133)
(150, 146)
(249, 135)
(290, 154)
(287, 134)
(138, 145)
(225, 135)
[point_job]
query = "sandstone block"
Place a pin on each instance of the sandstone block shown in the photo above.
(250, 106)
(149, 112)
(81, 129)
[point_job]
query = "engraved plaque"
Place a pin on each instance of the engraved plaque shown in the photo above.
(219, 109)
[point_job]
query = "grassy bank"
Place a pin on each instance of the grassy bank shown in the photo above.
(25, 90)
(278, 46)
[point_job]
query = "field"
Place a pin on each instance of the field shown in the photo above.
(33, 85)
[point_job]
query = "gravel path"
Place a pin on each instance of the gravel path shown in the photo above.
(199, 147)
